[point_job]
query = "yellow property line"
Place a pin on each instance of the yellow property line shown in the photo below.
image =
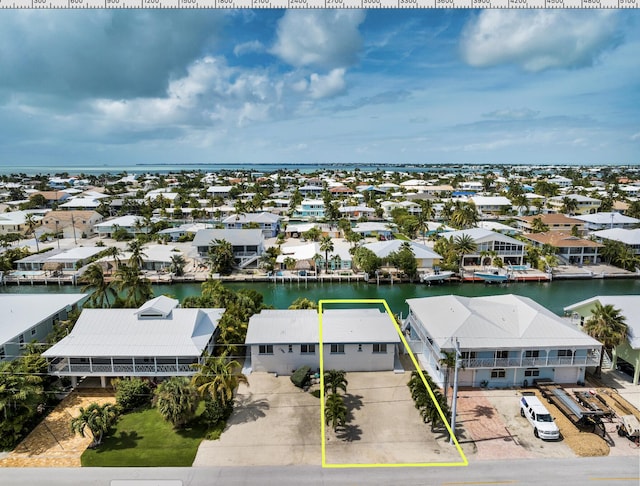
(383, 302)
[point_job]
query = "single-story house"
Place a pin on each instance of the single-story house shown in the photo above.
(629, 306)
(425, 256)
(504, 340)
(130, 223)
(280, 341)
(31, 317)
(177, 232)
(158, 339)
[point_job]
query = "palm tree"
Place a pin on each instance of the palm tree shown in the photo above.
(335, 380)
(137, 289)
(221, 257)
(114, 252)
(31, 225)
(569, 205)
(176, 400)
(607, 325)
(177, 264)
(303, 303)
(97, 418)
(136, 259)
(335, 411)
(101, 289)
(462, 245)
(538, 226)
(448, 360)
(326, 245)
(217, 377)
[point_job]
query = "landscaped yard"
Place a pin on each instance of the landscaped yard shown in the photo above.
(143, 438)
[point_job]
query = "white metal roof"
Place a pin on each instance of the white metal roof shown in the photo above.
(626, 236)
(75, 254)
(383, 248)
(498, 321)
(20, 312)
(607, 218)
(119, 332)
(160, 305)
(338, 326)
(490, 201)
(125, 221)
(629, 306)
(263, 217)
(237, 237)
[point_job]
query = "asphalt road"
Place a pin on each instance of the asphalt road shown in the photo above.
(607, 470)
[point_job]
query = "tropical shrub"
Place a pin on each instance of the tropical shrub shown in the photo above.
(132, 393)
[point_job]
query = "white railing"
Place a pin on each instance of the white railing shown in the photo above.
(62, 367)
(529, 362)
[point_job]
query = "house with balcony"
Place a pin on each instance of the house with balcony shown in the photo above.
(269, 223)
(584, 204)
(356, 212)
(504, 340)
(281, 341)
(310, 209)
(31, 317)
(554, 221)
(158, 339)
(491, 205)
(629, 306)
(247, 244)
(510, 250)
(572, 250)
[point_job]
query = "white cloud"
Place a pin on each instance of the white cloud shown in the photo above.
(248, 47)
(635, 137)
(319, 38)
(512, 114)
(539, 39)
(327, 86)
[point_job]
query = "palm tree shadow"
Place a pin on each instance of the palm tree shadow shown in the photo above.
(247, 409)
(352, 402)
(482, 411)
(123, 440)
(349, 433)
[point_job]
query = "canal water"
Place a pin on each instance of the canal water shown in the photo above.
(553, 295)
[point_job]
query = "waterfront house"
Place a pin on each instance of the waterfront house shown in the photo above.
(505, 340)
(571, 250)
(281, 341)
(628, 237)
(425, 256)
(247, 244)
(269, 223)
(31, 317)
(158, 339)
(510, 250)
(629, 306)
(584, 204)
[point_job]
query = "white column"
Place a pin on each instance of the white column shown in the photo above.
(103, 381)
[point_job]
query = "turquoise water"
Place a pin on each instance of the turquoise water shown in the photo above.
(553, 295)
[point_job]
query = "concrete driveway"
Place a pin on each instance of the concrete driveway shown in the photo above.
(276, 423)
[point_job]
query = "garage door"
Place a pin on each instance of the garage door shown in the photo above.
(565, 375)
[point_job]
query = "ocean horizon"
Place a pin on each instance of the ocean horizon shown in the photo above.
(142, 168)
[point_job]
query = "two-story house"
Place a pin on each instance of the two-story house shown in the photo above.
(504, 340)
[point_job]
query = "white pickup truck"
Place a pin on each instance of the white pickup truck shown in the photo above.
(539, 417)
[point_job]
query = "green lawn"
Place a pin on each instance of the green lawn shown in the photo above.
(400, 236)
(143, 438)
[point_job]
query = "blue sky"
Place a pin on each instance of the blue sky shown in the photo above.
(319, 86)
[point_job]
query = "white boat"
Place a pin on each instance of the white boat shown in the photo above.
(497, 275)
(436, 276)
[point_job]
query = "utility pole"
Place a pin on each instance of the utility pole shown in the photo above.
(57, 235)
(73, 224)
(454, 402)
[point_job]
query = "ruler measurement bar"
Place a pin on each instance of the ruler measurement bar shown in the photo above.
(295, 4)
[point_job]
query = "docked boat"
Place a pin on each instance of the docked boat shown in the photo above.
(496, 275)
(436, 276)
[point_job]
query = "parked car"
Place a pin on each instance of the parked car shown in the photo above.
(624, 366)
(539, 417)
